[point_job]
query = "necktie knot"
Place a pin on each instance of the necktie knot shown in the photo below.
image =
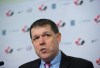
(47, 65)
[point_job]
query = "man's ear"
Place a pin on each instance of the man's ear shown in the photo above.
(59, 37)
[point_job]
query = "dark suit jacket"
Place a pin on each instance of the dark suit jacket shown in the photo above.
(66, 62)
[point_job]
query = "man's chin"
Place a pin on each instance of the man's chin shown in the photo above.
(44, 57)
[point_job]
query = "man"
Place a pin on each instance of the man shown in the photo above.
(45, 38)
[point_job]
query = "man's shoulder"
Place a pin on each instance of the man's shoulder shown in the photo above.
(72, 58)
(81, 62)
(30, 64)
(76, 61)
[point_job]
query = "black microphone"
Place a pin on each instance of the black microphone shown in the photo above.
(1, 63)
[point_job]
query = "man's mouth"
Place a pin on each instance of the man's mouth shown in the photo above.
(43, 50)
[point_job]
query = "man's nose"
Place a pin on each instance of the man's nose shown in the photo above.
(42, 41)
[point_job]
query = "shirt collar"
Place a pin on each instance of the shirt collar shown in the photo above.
(55, 60)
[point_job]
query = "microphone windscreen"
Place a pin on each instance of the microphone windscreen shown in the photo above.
(1, 63)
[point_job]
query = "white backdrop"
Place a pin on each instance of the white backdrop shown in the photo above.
(78, 21)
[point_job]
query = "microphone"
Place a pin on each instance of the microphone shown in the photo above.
(1, 63)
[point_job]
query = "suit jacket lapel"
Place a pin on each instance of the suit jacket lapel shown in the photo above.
(65, 63)
(36, 64)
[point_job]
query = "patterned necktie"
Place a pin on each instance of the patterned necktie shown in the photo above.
(47, 65)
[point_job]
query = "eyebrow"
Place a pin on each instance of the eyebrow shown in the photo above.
(46, 32)
(34, 36)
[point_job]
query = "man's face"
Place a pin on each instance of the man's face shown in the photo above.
(45, 42)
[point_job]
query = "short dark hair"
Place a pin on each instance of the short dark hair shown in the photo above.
(43, 22)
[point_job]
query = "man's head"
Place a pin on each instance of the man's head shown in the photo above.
(45, 37)
(42, 23)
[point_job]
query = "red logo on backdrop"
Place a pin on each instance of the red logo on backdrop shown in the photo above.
(42, 7)
(9, 13)
(80, 41)
(25, 29)
(97, 19)
(60, 23)
(8, 50)
(78, 2)
(98, 61)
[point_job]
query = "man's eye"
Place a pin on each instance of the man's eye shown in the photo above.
(47, 35)
(35, 38)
